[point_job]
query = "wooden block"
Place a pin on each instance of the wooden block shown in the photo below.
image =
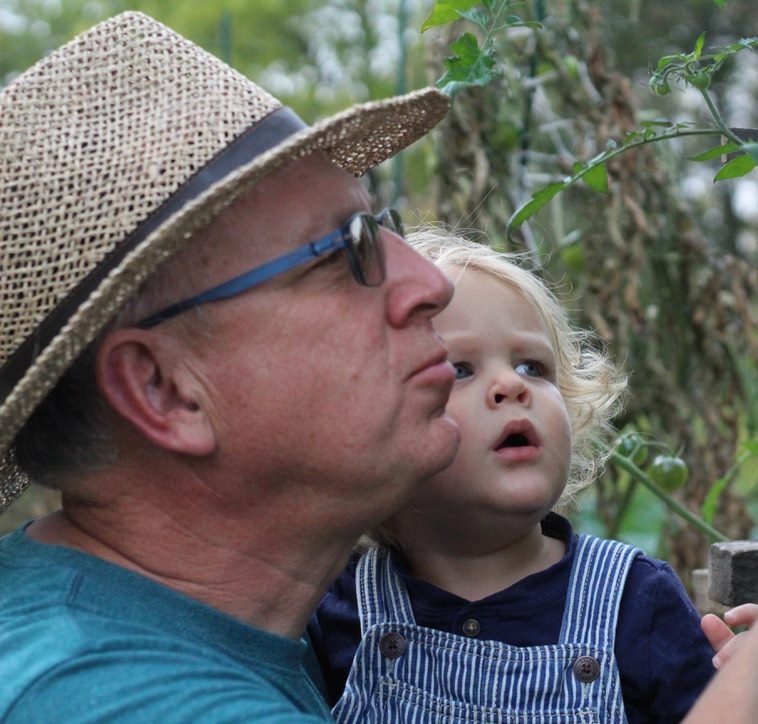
(734, 572)
(701, 599)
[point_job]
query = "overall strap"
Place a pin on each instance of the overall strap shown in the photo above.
(382, 595)
(597, 581)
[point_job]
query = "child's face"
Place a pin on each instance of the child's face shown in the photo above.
(515, 432)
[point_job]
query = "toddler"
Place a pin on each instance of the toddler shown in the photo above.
(479, 603)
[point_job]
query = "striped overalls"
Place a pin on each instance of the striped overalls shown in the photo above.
(405, 673)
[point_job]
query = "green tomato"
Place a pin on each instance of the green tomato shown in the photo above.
(669, 472)
(632, 446)
(659, 86)
(700, 79)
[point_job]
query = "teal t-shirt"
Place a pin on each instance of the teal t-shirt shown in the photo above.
(82, 640)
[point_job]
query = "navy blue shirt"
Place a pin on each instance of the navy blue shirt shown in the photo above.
(663, 657)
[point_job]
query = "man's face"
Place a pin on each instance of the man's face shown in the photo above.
(326, 392)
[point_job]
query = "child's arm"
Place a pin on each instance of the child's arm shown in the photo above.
(664, 656)
(722, 638)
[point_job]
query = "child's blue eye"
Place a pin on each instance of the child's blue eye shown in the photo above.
(462, 370)
(530, 368)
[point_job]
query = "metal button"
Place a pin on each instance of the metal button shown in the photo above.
(586, 668)
(392, 645)
(471, 627)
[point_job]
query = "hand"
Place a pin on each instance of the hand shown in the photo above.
(725, 642)
(732, 696)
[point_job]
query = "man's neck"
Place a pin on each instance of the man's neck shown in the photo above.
(270, 582)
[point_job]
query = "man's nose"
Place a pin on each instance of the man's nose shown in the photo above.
(415, 286)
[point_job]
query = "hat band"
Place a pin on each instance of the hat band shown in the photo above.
(255, 141)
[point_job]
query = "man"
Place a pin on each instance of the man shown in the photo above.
(221, 357)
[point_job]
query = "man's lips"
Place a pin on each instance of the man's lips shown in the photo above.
(435, 369)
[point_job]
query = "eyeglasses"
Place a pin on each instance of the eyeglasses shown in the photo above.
(359, 237)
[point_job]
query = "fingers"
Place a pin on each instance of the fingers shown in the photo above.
(728, 650)
(744, 615)
(717, 632)
(725, 643)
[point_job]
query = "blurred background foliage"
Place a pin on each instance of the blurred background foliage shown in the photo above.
(662, 267)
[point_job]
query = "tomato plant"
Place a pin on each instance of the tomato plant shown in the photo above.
(633, 447)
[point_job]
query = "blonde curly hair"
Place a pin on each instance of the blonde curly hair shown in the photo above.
(591, 385)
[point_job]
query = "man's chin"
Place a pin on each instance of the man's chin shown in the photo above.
(449, 438)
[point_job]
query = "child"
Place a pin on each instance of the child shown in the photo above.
(480, 604)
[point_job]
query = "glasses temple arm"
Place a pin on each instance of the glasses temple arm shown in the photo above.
(333, 242)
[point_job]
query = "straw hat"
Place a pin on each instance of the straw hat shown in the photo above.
(113, 150)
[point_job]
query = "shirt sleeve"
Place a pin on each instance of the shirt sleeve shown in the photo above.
(663, 656)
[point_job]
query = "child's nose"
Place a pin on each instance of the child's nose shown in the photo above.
(508, 386)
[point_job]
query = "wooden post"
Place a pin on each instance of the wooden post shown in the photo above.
(703, 603)
(734, 572)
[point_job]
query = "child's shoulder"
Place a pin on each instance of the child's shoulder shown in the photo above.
(646, 574)
(653, 582)
(641, 560)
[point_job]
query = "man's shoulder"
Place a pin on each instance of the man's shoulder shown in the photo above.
(148, 683)
(83, 640)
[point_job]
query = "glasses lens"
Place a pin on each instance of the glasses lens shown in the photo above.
(365, 251)
(390, 219)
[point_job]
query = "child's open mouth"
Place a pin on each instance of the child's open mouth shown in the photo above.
(518, 441)
(515, 440)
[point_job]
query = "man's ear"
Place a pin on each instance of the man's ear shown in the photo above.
(142, 376)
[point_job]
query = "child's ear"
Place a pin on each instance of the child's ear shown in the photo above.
(141, 375)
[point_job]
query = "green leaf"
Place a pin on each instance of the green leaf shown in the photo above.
(668, 60)
(752, 149)
(477, 17)
(540, 199)
(649, 133)
(708, 511)
(662, 123)
(467, 48)
(715, 152)
(447, 11)
(596, 177)
(699, 43)
(471, 67)
(738, 166)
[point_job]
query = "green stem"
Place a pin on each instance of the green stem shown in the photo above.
(725, 130)
(678, 133)
(675, 505)
(494, 25)
(623, 508)
(604, 158)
